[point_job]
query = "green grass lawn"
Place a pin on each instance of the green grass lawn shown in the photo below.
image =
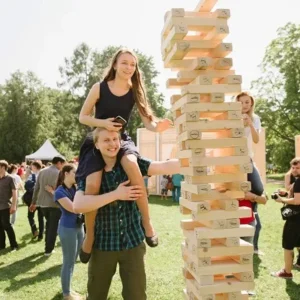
(27, 274)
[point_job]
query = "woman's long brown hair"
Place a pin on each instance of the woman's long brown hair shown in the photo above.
(61, 176)
(138, 89)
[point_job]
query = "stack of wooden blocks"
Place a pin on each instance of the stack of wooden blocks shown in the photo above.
(218, 264)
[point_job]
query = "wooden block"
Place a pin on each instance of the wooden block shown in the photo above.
(244, 259)
(224, 63)
(231, 79)
(245, 276)
(193, 290)
(221, 215)
(206, 5)
(222, 50)
(207, 233)
(216, 267)
(222, 13)
(217, 249)
(232, 89)
(240, 151)
(188, 224)
(185, 211)
(186, 274)
(172, 83)
(192, 176)
(229, 204)
(210, 195)
(213, 161)
(230, 241)
(192, 123)
(237, 132)
(174, 12)
(175, 98)
(218, 33)
(189, 143)
(188, 76)
(230, 107)
(234, 115)
(199, 63)
(189, 135)
(177, 33)
(198, 207)
(196, 188)
(201, 279)
(191, 153)
(244, 186)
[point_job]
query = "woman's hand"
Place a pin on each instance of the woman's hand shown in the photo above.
(111, 125)
(124, 192)
(163, 125)
(247, 120)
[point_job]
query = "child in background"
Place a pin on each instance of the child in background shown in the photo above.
(163, 185)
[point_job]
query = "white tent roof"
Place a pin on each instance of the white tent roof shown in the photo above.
(46, 152)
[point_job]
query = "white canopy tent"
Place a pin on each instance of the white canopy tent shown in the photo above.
(46, 152)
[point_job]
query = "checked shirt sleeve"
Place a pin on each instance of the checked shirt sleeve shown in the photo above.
(144, 164)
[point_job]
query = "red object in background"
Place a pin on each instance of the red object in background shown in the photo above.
(20, 171)
(246, 203)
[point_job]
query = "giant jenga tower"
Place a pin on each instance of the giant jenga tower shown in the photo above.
(218, 264)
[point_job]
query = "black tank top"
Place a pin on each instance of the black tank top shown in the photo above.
(110, 105)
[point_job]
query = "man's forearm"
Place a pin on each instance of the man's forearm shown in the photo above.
(87, 203)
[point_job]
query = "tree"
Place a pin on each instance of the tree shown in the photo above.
(87, 66)
(279, 93)
(27, 116)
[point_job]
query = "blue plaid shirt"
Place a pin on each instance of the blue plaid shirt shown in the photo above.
(118, 224)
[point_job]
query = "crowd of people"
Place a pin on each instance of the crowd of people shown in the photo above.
(99, 208)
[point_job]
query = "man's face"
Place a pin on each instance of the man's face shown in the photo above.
(2, 170)
(108, 143)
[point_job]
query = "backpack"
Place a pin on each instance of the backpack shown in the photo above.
(29, 188)
(30, 183)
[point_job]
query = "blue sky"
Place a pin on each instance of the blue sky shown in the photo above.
(37, 34)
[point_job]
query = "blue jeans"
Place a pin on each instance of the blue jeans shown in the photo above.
(257, 186)
(71, 240)
(176, 193)
(257, 230)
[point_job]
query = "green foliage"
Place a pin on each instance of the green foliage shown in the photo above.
(27, 116)
(279, 97)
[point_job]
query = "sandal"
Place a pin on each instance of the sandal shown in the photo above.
(152, 241)
(84, 256)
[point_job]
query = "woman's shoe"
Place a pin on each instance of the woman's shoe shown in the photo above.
(84, 256)
(152, 241)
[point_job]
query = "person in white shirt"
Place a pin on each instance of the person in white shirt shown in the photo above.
(13, 170)
(252, 129)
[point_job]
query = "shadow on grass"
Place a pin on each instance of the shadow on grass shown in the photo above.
(39, 277)
(292, 289)
(23, 266)
(157, 201)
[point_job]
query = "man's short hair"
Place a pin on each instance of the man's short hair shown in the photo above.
(37, 165)
(4, 163)
(295, 161)
(58, 159)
